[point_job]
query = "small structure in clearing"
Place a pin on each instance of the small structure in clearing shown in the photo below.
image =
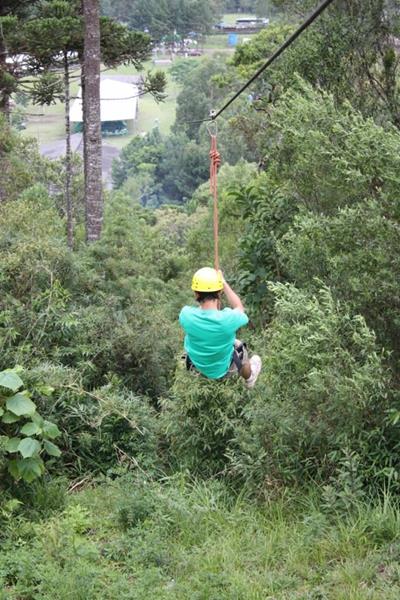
(118, 106)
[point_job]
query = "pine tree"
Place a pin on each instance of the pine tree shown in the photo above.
(11, 14)
(52, 40)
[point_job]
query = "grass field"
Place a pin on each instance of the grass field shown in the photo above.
(143, 540)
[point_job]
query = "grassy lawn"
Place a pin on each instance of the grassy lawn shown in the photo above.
(220, 41)
(132, 540)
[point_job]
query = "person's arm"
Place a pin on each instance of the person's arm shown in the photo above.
(232, 297)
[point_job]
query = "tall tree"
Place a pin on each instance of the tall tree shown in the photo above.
(351, 51)
(92, 122)
(11, 14)
(53, 39)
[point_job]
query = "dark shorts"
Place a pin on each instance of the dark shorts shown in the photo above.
(240, 356)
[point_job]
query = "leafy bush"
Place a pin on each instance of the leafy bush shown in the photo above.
(36, 270)
(139, 154)
(356, 253)
(90, 310)
(325, 392)
(24, 434)
(233, 181)
(331, 157)
(268, 211)
(105, 430)
(200, 418)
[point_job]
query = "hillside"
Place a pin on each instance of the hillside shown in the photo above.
(123, 474)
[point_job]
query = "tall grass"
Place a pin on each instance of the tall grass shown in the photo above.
(182, 540)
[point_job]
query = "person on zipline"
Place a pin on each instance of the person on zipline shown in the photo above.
(210, 333)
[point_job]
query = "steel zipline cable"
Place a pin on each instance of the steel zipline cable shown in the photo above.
(215, 159)
(313, 16)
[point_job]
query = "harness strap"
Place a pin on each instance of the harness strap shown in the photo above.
(236, 358)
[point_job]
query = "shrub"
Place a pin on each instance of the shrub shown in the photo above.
(356, 253)
(24, 435)
(331, 157)
(325, 391)
(105, 429)
(200, 417)
(36, 272)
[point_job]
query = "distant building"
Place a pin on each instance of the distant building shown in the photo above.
(118, 103)
(251, 22)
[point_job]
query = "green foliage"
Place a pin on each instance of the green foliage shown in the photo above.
(163, 18)
(232, 181)
(201, 93)
(323, 389)
(261, 46)
(167, 169)
(34, 262)
(181, 69)
(197, 541)
(106, 429)
(118, 431)
(356, 253)
(331, 157)
(24, 434)
(47, 89)
(42, 497)
(347, 488)
(200, 418)
(319, 159)
(90, 310)
(22, 165)
(120, 45)
(268, 211)
(348, 51)
(184, 166)
(141, 155)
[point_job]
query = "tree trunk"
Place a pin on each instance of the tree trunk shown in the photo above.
(92, 124)
(68, 158)
(4, 94)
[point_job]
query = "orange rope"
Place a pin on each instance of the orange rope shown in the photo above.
(215, 161)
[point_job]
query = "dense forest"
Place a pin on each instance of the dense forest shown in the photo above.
(122, 474)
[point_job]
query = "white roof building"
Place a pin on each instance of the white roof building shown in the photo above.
(118, 102)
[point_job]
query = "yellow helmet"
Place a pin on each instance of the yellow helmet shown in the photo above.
(207, 280)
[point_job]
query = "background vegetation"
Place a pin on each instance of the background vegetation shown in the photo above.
(143, 481)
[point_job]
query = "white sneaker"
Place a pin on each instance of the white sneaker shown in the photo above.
(255, 363)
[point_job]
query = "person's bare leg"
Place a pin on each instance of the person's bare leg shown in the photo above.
(245, 371)
(250, 370)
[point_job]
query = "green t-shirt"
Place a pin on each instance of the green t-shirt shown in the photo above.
(210, 336)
